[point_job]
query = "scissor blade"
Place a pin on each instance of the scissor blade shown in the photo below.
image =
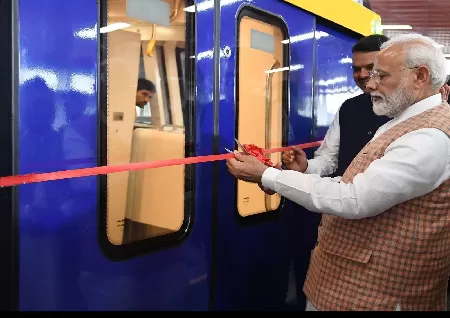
(239, 144)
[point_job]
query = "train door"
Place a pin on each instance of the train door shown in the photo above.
(266, 69)
(105, 83)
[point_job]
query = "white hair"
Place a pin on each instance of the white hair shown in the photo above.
(423, 51)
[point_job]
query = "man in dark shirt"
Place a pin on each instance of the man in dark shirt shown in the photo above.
(354, 124)
(145, 92)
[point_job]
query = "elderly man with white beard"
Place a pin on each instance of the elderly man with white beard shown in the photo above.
(384, 241)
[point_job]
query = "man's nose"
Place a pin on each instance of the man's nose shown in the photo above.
(365, 73)
(371, 84)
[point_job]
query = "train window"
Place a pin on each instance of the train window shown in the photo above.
(140, 69)
(261, 97)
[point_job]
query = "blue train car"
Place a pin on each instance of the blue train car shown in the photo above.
(184, 237)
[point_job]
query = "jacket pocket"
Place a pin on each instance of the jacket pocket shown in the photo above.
(354, 253)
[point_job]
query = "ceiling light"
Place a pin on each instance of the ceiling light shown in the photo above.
(447, 55)
(190, 8)
(114, 27)
(396, 27)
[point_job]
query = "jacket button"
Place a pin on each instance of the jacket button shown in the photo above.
(369, 133)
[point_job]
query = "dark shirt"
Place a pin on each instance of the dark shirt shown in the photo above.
(358, 124)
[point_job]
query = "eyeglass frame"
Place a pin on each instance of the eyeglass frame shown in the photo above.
(376, 74)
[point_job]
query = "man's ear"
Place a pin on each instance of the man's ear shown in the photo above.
(423, 76)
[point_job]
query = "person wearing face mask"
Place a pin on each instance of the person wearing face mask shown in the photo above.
(384, 241)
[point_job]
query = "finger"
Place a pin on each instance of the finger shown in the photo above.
(238, 156)
(286, 158)
(298, 150)
(231, 162)
(231, 166)
(278, 166)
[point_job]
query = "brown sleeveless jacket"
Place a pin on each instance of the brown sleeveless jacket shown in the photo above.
(401, 256)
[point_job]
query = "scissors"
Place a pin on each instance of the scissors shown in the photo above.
(240, 146)
(283, 167)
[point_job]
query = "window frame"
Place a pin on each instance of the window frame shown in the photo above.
(153, 244)
(265, 16)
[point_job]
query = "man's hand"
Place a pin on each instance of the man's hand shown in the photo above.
(295, 159)
(246, 168)
(267, 190)
(445, 92)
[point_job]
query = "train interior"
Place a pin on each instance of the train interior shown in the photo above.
(150, 133)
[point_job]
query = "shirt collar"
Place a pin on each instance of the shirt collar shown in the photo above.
(419, 107)
(411, 111)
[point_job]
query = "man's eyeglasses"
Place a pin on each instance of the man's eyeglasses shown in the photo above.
(380, 76)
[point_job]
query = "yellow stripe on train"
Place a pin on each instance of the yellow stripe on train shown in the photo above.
(346, 13)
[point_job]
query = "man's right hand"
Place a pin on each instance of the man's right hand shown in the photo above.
(295, 159)
(445, 91)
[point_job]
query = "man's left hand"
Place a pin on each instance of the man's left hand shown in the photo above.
(246, 168)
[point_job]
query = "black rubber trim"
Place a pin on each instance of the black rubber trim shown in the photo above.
(9, 247)
(310, 151)
(215, 164)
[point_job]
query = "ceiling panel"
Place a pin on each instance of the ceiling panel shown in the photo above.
(430, 18)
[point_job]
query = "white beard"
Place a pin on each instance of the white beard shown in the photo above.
(395, 103)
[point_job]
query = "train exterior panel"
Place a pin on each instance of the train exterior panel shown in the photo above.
(230, 252)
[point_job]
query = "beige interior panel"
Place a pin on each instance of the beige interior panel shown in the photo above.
(253, 65)
(123, 66)
(156, 196)
(152, 73)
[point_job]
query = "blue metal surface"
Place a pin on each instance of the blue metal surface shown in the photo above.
(61, 264)
(334, 76)
(254, 259)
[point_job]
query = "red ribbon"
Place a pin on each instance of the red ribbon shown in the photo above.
(86, 172)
